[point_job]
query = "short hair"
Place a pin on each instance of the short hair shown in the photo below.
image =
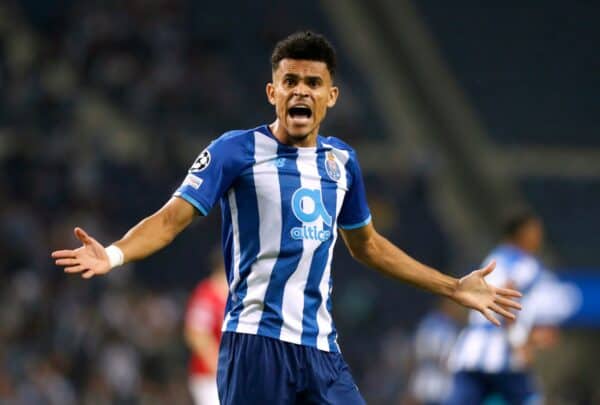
(515, 220)
(306, 45)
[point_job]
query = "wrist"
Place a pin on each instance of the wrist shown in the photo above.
(451, 288)
(115, 256)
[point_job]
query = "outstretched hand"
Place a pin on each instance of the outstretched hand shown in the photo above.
(473, 292)
(89, 259)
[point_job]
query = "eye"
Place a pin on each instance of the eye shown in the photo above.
(313, 82)
(289, 81)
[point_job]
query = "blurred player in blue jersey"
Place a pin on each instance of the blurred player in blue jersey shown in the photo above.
(285, 192)
(495, 361)
(434, 339)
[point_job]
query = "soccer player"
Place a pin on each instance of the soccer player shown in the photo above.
(434, 339)
(285, 192)
(203, 321)
(495, 361)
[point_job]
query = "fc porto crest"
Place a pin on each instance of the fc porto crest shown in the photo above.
(332, 168)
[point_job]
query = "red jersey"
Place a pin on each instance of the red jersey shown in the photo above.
(204, 313)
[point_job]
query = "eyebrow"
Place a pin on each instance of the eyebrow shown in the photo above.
(297, 77)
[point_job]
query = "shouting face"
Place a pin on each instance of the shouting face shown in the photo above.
(301, 91)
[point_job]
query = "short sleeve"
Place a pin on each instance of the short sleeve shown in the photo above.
(213, 172)
(355, 211)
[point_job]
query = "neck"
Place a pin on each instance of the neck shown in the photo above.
(285, 138)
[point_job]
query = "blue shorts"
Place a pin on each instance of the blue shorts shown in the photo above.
(473, 387)
(260, 370)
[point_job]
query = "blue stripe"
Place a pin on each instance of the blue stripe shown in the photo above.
(192, 201)
(290, 250)
(333, 334)
(355, 226)
(312, 294)
(227, 246)
(248, 225)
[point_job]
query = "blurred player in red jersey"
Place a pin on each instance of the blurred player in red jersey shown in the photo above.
(203, 321)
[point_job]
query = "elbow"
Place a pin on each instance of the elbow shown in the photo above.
(366, 252)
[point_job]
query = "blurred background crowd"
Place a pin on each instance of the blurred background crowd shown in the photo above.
(457, 110)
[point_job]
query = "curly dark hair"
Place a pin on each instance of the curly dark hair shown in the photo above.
(305, 45)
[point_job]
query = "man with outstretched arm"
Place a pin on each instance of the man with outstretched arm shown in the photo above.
(285, 191)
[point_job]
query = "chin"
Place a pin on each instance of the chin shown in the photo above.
(299, 135)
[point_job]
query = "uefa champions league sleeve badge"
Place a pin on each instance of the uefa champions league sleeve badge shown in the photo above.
(201, 162)
(332, 168)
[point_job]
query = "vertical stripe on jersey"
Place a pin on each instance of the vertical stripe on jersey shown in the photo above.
(243, 205)
(317, 322)
(288, 259)
(473, 346)
(495, 352)
(234, 277)
(267, 231)
(294, 297)
(324, 314)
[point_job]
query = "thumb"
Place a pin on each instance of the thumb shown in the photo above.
(82, 236)
(489, 268)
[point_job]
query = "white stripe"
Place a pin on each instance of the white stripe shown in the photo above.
(266, 183)
(236, 250)
(472, 348)
(495, 354)
(293, 294)
(324, 321)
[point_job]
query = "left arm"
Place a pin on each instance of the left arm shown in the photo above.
(370, 248)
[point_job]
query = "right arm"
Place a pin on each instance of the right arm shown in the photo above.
(148, 236)
(156, 231)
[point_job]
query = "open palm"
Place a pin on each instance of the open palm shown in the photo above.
(473, 292)
(89, 259)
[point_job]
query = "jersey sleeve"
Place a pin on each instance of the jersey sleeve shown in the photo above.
(213, 172)
(355, 211)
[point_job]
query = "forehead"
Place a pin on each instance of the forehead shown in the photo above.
(302, 67)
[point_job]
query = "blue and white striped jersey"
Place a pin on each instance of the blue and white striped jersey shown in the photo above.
(484, 347)
(281, 207)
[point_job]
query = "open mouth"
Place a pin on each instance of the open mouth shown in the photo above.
(300, 111)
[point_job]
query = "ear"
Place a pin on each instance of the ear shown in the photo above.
(334, 92)
(270, 90)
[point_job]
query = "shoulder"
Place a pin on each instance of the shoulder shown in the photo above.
(337, 143)
(232, 148)
(235, 137)
(344, 151)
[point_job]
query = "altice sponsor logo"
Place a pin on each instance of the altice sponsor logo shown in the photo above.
(308, 207)
(311, 232)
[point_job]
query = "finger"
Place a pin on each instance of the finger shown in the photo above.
(505, 302)
(88, 274)
(63, 253)
(488, 314)
(82, 236)
(66, 262)
(499, 310)
(508, 292)
(488, 269)
(75, 269)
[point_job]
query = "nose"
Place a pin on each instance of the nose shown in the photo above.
(301, 90)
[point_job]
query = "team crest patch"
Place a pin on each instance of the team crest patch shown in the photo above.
(332, 168)
(202, 161)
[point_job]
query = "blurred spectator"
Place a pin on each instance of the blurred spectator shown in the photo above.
(203, 322)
